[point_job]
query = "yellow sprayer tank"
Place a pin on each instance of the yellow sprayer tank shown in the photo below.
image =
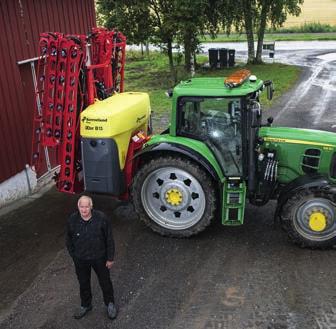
(106, 128)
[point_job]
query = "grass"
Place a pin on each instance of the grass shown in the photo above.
(315, 27)
(151, 74)
(235, 37)
(283, 77)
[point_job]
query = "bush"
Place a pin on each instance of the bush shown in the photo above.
(314, 27)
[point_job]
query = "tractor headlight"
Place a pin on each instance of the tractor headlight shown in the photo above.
(216, 134)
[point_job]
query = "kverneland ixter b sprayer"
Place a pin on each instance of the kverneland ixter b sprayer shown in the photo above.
(215, 155)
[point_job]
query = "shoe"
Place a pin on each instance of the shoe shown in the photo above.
(82, 311)
(111, 311)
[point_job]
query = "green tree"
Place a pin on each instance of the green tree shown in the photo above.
(132, 17)
(142, 21)
(194, 18)
(164, 28)
(250, 16)
(162, 22)
(240, 15)
(275, 14)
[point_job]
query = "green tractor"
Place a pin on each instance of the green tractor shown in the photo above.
(217, 153)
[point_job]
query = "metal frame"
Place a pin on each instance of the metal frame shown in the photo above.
(73, 70)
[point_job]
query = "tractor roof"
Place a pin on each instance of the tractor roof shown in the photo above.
(218, 87)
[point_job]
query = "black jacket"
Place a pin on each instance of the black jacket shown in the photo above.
(92, 239)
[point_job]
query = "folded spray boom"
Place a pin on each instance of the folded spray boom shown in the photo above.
(73, 71)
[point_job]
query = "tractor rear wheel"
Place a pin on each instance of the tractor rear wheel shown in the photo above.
(309, 218)
(174, 196)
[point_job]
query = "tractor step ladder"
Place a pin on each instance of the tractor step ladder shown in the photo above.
(234, 201)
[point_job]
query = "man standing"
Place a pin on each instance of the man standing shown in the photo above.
(90, 243)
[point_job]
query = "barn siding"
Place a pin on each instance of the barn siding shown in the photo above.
(21, 22)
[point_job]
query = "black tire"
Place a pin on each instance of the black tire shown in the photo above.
(309, 218)
(174, 196)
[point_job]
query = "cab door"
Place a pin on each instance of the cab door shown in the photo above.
(217, 122)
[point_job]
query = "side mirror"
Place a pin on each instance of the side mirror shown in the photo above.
(169, 93)
(270, 89)
(269, 122)
(255, 111)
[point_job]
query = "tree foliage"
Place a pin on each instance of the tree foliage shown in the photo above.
(162, 22)
(183, 22)
(132, 17)
(253, 16)
(194, 18)
(164, 27)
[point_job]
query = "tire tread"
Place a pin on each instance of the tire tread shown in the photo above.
(190, 167)
(288, 225)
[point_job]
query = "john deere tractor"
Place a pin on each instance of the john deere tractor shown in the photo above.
(217, 154)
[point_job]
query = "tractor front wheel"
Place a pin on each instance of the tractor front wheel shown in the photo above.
(174, 196)
(309, 218)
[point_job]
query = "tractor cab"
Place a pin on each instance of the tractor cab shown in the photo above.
(221, 114)
(218, 122)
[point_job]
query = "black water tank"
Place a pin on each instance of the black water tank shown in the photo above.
(102, 173)
(213, 57)
(223, 57)
(231, 57)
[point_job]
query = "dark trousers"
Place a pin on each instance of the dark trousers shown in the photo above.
(83, 271)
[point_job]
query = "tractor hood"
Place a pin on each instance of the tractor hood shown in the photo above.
(298, 136)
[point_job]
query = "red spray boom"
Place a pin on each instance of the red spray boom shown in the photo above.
(73, 70)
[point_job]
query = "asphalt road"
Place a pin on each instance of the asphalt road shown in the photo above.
(225, 278)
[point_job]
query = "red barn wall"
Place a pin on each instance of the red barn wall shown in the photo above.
(21, 22)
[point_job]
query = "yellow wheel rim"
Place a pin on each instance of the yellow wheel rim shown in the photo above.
(317, 221)
(174, 197)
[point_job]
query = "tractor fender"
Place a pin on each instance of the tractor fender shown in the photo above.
(301, 183)
(165, 147)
